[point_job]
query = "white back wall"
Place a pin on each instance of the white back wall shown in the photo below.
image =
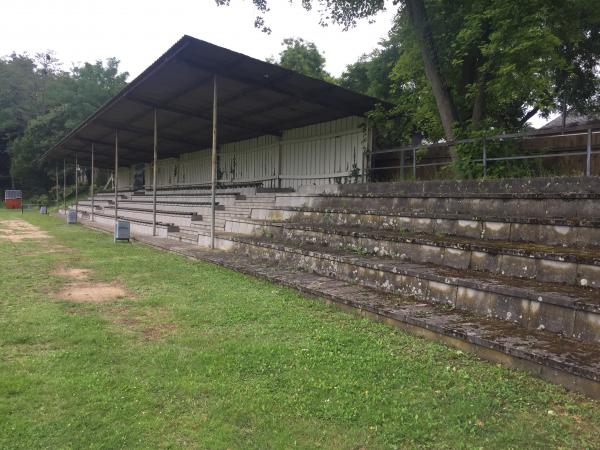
(316, 154)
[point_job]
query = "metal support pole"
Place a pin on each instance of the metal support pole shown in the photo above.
(213, 165)
(76, 186)
(402, 163)
(116, 176)
(414, 161)
(65, 185)
(279, 145)
(92, 184)
(57, 187)
(588, 167)
(484, 158)
(154, 174)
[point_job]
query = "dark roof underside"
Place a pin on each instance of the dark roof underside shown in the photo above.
(254, 99)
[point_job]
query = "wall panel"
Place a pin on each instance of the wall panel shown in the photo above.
(315, 154)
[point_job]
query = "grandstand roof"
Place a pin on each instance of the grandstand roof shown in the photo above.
(255, 98)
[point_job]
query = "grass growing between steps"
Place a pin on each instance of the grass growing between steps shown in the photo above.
(198, 356)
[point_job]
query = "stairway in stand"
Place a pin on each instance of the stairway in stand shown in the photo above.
(508, 269)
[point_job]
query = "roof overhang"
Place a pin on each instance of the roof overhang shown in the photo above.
(255, 98)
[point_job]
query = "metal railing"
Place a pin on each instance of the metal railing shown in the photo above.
(415, 161)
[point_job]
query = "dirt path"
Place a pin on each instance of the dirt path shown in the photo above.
(16, 230)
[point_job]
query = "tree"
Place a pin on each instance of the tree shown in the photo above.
(50, 103)
(481, 64)
(22, 97)
(303, 57)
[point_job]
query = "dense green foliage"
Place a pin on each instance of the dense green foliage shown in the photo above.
(303, 57)
(496, 63)
(39, 103)
(197, 356)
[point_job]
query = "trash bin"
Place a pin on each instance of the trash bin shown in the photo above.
(71, 216)
(122, 230)
(13, 199)
(43, 209)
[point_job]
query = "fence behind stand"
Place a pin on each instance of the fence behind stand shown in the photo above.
(547, 152)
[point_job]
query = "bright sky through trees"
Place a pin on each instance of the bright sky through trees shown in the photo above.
(137, 32)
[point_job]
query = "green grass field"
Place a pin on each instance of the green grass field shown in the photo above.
(197, 356)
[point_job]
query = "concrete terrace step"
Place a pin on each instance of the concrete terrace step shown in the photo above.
(551, 185)
(171, 208)
(162, 210)
(588, 208)
(184, 199)
(574, 266)
(572, 310)
(205, 225)
(146, 216)
(558, 359)
(192, 194)
(183, 236)
(550, 230)
(137, 226)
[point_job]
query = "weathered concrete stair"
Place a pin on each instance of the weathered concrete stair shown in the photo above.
(556, 358)
(509, 268)
(550, 230)
(573, 266)
(569, 310)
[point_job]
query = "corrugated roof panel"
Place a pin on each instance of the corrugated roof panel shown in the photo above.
(255, 98)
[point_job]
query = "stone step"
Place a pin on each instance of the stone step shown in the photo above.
(582, 205)
(137, 226)
(268, 191)
(571, 310)
(171, 211)
(558, 359)
(256, 199)
(551, 231)
(205, 225)
(146, 216)
(188, 200)
(183, 236)
(533, 186)
(573, 266)
(173, 208)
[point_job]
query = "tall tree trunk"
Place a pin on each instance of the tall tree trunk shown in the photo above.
(479, 102)
(445, 105)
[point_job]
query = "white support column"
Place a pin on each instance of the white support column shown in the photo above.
(92, 184)
(116, 176)
(57, 187)
(213, 165)
(279, 152)
(154, 161)
(65, 185)
(588, 162)
(76, 187)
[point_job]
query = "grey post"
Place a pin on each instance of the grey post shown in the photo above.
(65, 185)
(414, 161)
(484, 158)
(76, 187)
(213, 165)
(588, 166)
(116, 176)
(57, 187)
(279, 145)
(92, 185)
(154, 174)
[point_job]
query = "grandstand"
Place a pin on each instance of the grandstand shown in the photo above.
(509, 269)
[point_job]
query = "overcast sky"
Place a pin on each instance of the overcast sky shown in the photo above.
(137, 32)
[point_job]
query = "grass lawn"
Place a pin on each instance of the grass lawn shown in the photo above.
(197, 356)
